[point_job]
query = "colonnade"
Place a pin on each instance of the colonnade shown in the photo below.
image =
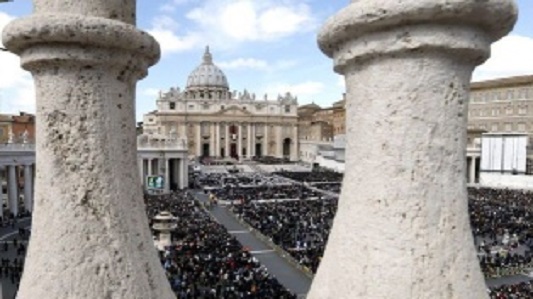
(13, 188)
(174, 170)
(246, 139)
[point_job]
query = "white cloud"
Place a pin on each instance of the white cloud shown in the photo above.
(244, 63)
(17, 92)
(511, 56)
(227, 23)
(305, 90)
(256, 64)
(248, 20)
(164, 28)
(151, 92)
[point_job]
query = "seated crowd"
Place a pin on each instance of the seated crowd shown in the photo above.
(523, 290)
(503, 229)
(320, 175)
(299, 227)
(272, 160)
(252, 193)
(206, 261)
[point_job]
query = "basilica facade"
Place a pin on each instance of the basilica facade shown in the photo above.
(220, 123)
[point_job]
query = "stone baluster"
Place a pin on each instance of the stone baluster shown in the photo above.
(90, 236)
(402, 228)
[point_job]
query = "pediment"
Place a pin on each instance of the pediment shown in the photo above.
(234, 110)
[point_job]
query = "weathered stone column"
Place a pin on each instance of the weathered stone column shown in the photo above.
(90, 235)
(402, 228)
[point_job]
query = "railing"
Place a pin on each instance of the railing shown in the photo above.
(177, 144)
(17, 147)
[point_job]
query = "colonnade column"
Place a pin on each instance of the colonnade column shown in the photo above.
(404, 202)
(239, 142)
(212, 139)
(150, 170)
(473, 164)
(226, 139)
(140, 161)
(266, 145)
(12, 189)
(28, 188)
(167, 174)
(199, 139)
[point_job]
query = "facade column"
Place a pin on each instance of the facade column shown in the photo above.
(184, 178)
(28, 188)
(199, 139)
(12, 189)
(90, 56)
(249, 141)
(252, 141)
(279, 141)
(217, 140)
(212, 139)
(407, 69)
(295, 151)
(473, 164)
(266, 151)
(239, 142)
(227, 139)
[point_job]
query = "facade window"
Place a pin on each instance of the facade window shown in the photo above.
(509, 110)
(150, 120)
(172, 105)
(494, 128)
(244, 108)
(287, 109)
(205, 106)
(522, 110)
(522, 127)
(191, 107)
(508, 127)
(222, 107)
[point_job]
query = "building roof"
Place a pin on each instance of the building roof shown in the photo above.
(502, 82)
(310, 106)
(207, 74)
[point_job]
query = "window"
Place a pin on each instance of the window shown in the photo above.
(508, 127)
(243, 107)
(522, 110)
(205, 106)
(509, 110)
(287, 109)
(522, 127)
(494, 128)
(150, 120)
(222, 107)
(191, 107)
(172, 105)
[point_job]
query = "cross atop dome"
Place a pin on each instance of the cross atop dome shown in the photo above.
(208, 58)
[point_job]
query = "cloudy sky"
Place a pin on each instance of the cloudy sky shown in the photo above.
(264, 46)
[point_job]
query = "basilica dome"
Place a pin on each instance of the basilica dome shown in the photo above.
(207, 75)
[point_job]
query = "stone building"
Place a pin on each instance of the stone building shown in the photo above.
(20, 126)
(220, 123)
(502, 105)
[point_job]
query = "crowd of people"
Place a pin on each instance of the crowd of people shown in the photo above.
(299, 227)
(255, 193)
(206, 261)
(502, 224)
(269, 160)
(522, 290)
(315, 176)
